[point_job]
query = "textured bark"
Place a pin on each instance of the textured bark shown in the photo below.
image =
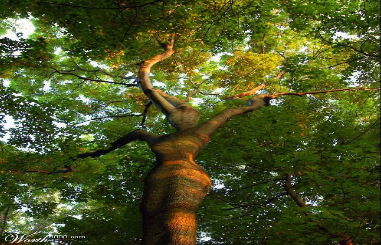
(174, 189)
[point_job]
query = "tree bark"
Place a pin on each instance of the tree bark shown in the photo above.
(174, 189)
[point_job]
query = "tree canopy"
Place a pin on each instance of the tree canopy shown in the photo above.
(303, 170)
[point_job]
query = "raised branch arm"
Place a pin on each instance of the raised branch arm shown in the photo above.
(132, 136)
(257, 102)
(178, 113)
(209, 127)
(145, 83)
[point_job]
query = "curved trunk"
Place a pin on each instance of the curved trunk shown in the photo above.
(173, 192)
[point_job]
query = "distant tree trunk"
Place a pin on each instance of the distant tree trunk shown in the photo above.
(4, 219)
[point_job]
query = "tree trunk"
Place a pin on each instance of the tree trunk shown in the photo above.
(174, 189)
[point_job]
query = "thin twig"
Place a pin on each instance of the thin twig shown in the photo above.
(94, 80)
(67, 169)
(101, 8)
(322, 92)
(111, 116)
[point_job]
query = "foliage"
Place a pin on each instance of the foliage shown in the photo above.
(69, 88)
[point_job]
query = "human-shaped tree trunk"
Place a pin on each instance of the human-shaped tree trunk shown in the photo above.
(176, 186)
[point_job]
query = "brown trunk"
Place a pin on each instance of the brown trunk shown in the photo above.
(174, 189)
(176, 186)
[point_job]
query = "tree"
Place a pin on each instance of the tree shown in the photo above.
(304, 169)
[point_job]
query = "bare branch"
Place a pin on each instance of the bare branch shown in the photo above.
(145, 82)
(248, 93)
(322, 92)
(147, 106)
(287, 186)
(66, 169)
(102, 8)
(132, 136)
(111, 116)
(93, 80)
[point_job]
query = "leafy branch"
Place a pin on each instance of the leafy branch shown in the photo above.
(347, 240)
(348, 46)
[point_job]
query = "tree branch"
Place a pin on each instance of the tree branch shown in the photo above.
(145, 83)
(348, 46)
(301, 203)
(132, 136)
(265, 204)
(322, 92)
(210, 126)
(102, 8)
(93, 80)
(254, 90)
(111, 116)
(67, 169)
(146, 108)
(287, 186)
(248, 93)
